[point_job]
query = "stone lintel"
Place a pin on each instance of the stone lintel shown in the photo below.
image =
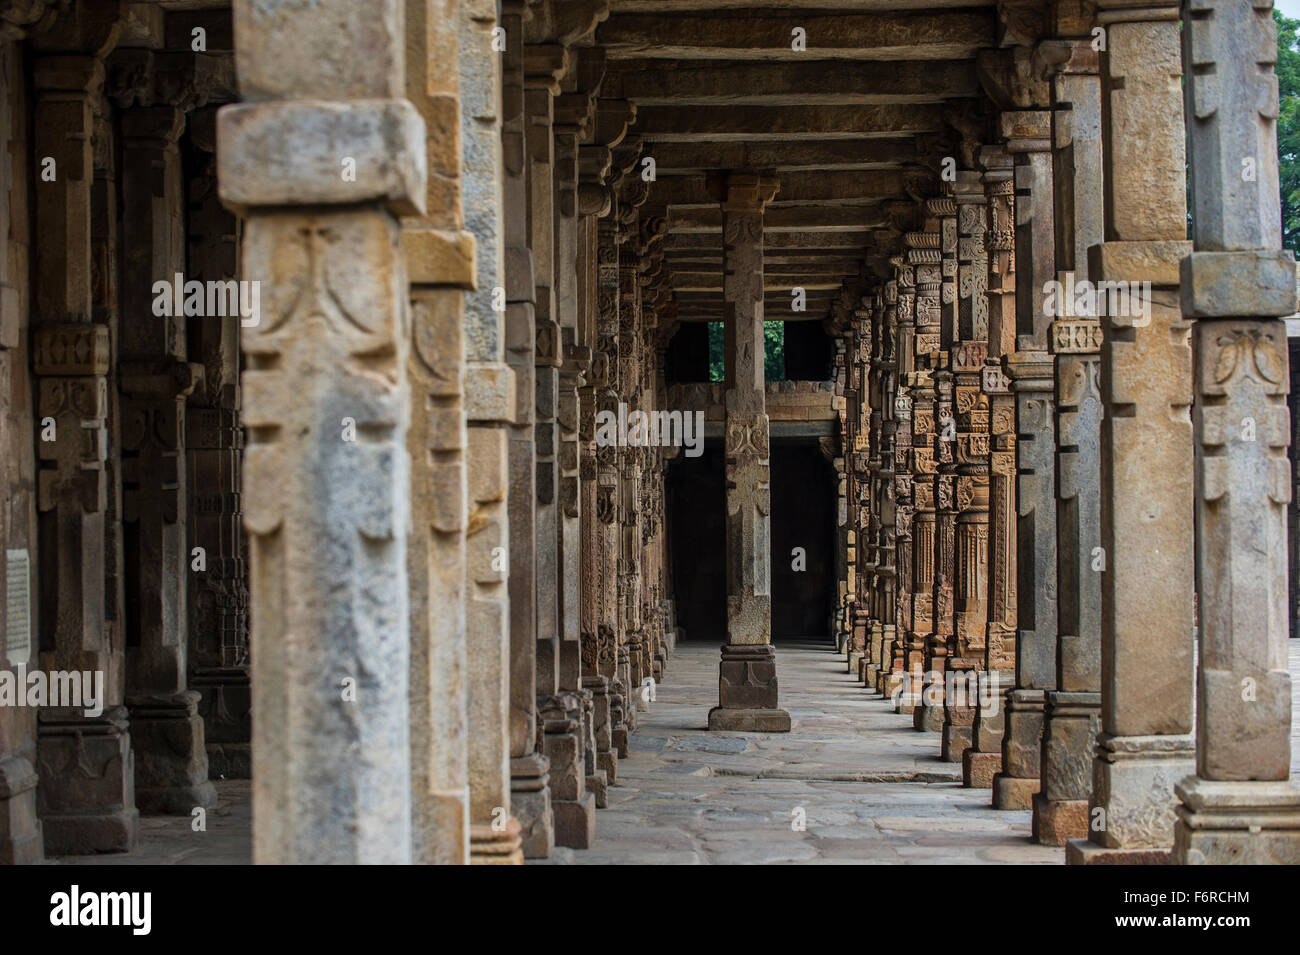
(294, 153)
(1249, 284)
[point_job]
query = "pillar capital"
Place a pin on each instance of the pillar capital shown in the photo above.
(743, 191)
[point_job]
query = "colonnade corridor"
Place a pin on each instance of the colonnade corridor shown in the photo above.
(569, 432)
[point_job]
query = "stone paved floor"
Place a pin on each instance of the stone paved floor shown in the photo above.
(871, 788)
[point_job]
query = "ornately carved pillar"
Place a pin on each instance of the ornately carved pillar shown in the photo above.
(1028, 135)
(1239, 807)
(1072, 712)
(82, 811)
(1144, 747)
(984, 758)
(965, 660)
(327, 409)
(747, 685)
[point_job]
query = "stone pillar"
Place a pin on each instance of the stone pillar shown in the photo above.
(984, 758)
(529, 769)
(170, 756)
(21, 834)
(574, 808)
(1144, 746)
(747, 686)
(1030, 369)
(971, 412)
(440, 266)
(490, 408)
(897, 394)
(214, 443)
(327, 409)
(96, 812)
(1072, 711)
(1239, 807)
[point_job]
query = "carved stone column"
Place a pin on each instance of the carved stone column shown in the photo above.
(171, 759)
(527, 88)
(82, 811)
(490, 407)
(1072, 712)
(984, 758)
(214, 443)
(1030, 369)
(440, 266)
(327, 410)
(1144, 747)
(1239, 807)
(971, 413)
(747, 686)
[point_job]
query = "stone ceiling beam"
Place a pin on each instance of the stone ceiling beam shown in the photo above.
(668, 124)
(816, 83)
(799, 188)
(772, 241)
(741, 35)
(785, 157)
(784, 219)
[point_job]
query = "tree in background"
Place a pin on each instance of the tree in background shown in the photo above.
(773, 352)
(1288, 127)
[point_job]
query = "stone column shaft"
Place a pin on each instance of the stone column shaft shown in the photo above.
(1072, 710)
(1030, 369)
(1239, 807)
(1143, 747)
(747, 686)
(327, 411)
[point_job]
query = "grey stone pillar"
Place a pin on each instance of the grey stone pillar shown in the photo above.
(1239, 807)
(154, 378)
(1144, 746)
(747, 686)
(71, 358)
(490, 408)
(327, 410)
(1030, 369)
(1072, 711)
(440, 266)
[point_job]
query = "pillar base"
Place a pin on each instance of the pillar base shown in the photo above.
(1056, 822)
(171, 761)
(747, 692)
(855, 658)
(530, 804)
(927, 718)
(727, 720)
(1085, 852)
(86, 798)
(1014, 792)
(1130, 779)
(957, 739)
(1238, 822)
(598, 786)
(979, 769)
(226, 706)
(575, 821)
(21, 838)
(488, 846)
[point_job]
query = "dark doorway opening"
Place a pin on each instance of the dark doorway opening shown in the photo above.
(803, 487)
(803, 517)
(697, 514)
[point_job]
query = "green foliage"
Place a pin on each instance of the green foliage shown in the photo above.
(773, 352)
(1288, 127)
